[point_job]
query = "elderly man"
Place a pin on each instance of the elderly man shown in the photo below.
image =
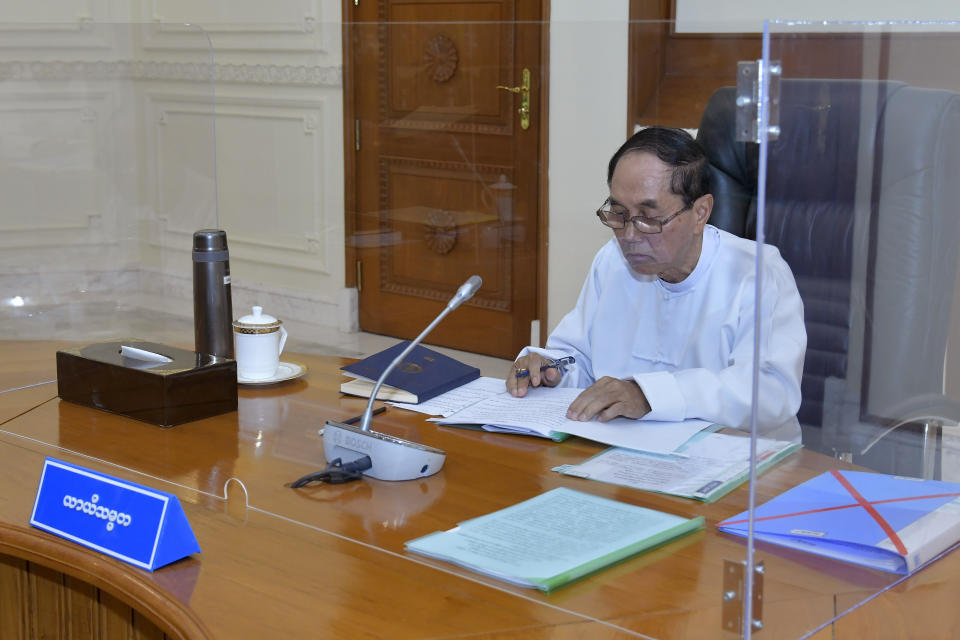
(664, 326)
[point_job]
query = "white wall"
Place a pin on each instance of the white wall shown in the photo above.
(279, 121)
(588, 122)
(116, 220)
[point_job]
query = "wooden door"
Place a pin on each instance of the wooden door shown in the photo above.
(443, 181)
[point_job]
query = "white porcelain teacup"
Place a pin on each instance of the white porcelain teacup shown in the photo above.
(258, 341)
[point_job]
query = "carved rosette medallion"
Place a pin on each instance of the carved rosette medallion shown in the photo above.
(440, 231)
(441, 58)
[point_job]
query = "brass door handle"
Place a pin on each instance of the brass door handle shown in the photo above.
(524, 91)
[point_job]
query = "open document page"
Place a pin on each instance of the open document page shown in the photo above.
(543, 412)
(456, 399)
(711, 466)
(554, 538)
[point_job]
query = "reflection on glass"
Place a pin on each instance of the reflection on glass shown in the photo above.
(102, 174)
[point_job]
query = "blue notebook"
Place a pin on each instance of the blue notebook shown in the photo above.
(423, 374)
(880, 521)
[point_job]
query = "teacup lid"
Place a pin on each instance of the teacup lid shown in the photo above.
(258, 319)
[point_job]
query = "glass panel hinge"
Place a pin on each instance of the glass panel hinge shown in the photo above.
(750, 74)
(734, 592)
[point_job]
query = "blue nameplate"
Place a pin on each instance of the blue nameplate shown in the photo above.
(142, 526)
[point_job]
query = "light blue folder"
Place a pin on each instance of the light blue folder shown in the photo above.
(885, 522)
(554, 538)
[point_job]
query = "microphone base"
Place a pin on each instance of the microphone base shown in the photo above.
(392, 458)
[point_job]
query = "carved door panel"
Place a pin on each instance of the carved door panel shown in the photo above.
(445, 177)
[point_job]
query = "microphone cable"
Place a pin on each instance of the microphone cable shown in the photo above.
(336, 473)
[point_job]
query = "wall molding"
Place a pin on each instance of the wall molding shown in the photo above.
(160, 290)
(159, 70)
(67, 126)
(307, 251)
(289, 26)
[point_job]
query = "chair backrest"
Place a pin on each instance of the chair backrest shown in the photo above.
(861, 190)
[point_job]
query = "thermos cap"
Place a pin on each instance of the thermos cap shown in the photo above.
(210, 240)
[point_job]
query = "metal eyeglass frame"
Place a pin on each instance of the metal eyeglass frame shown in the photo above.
(655, 225)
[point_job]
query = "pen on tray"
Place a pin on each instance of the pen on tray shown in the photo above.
(560, 365)
(356, 419)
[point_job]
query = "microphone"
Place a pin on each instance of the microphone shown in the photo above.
(465, 292)
(391, 458)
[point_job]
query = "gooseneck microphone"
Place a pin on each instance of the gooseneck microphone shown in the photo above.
(391, 458)
(465, 292)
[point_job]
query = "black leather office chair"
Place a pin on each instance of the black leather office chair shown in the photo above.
(863, 190)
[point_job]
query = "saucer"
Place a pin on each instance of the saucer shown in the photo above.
(286, 371)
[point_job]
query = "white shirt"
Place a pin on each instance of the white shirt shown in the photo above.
(689, 345)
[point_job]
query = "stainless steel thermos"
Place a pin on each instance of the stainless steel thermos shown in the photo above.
(212, 304)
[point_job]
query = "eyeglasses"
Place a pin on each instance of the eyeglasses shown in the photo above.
(615, 217)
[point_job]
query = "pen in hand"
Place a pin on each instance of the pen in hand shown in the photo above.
(560, 365)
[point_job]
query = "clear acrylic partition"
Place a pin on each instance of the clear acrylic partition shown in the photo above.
(107, 167)
(206, 583)
(447, 174)
(860, 178)
(363, 170)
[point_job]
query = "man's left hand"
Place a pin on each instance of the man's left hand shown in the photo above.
(609, 398)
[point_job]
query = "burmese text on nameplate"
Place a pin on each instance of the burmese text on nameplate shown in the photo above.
(130, 522)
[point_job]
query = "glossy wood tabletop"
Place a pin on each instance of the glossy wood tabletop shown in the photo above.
(330, 559)
(28, 375)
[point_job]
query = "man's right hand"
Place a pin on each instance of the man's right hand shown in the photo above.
(532, 363)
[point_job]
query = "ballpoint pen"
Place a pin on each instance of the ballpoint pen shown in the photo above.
(560, 364)
(356, 419)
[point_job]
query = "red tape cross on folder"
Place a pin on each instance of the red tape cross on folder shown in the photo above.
(860, 502)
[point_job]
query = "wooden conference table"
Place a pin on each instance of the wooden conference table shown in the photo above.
(329, 561)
